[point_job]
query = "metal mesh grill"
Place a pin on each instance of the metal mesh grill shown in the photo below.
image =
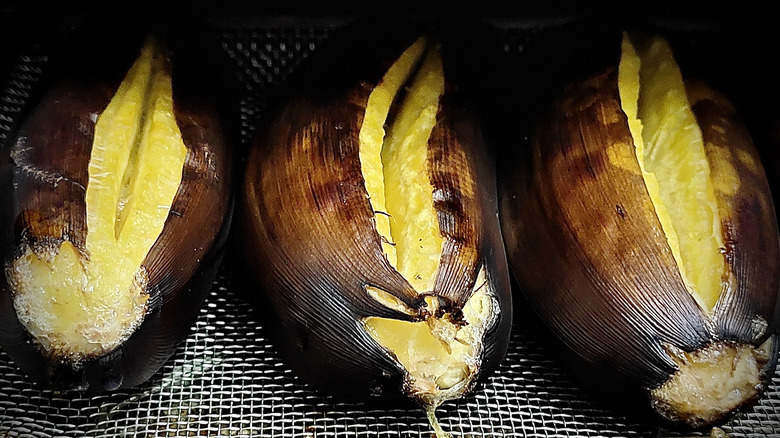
(227, 380)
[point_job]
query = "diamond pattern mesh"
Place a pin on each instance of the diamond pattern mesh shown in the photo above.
(227, 380)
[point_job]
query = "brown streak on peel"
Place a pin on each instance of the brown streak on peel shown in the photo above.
(752, 248)
(190, 231)
(62, 136)
(458, 208)
(318, 171)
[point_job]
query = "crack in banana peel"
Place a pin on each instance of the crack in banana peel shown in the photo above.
(440, 348)
(82, 302)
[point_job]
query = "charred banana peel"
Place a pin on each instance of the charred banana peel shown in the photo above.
(117, 193)
(653, 234)
(367, 215)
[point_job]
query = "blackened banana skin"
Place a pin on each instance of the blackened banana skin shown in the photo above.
(44, 178)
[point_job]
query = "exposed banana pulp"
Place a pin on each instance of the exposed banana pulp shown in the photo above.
(441, 352)
(372, 134)
(670, 152)
(440, 355)
(714, 380)
(414, 226)
(81, 303)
